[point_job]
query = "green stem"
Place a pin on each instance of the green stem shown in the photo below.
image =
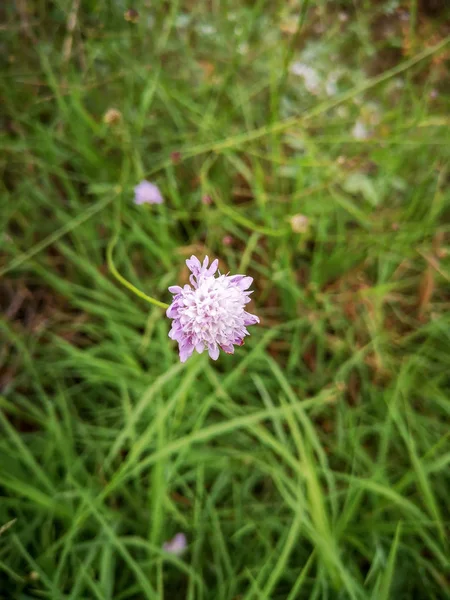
(55, 236)
(125, 282)
(233, 214)
(228, 210)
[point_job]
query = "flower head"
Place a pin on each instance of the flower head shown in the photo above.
(131, 15)
(177, 545)
(210, 313)
(299, 223)
(310, 76)
(112, 116)
(227, 240)
(147, 193)
(359, 131)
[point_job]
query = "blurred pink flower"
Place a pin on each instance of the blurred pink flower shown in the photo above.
(227, 240)
(177, 545)
(147, 193)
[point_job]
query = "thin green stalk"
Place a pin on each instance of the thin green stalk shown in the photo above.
(125, 282)
(55, 236)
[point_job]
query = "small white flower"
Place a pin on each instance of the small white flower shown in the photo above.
(243, 48)
(310, 76)
(206, 29)
(342, 111)
(359, 131)
(182, 21)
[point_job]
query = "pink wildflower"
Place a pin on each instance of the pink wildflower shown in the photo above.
(211, 314)
(147, 193)
(177, 545)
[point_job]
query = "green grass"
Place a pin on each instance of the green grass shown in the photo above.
(314, 462)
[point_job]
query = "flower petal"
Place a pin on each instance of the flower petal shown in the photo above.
(250, 319)
(172, 311)
(212, 269)
(185, 352)
(193, 265)
(242, 281)
(229, 349)
(213, 351)
(175, 289)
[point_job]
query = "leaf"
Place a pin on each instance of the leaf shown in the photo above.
(388, 575)
(358, 183)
